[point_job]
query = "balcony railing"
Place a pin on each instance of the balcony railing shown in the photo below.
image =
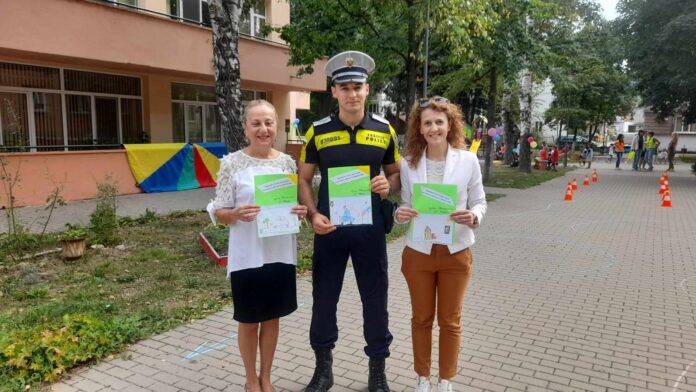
(251, 24)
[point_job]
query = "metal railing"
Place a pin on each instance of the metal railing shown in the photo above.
(62, 147)
(115, 3)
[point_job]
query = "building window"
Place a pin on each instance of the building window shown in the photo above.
(195, 11)
(29, 76)
(252, 23)
(250, 95)
(195, 117)
(132, 121)
(14, 124)
(94, 82)
(132, 3)
(96, 108)
(79, 116)
(683, 126)
(48, 120)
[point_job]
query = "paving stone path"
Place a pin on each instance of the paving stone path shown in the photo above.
(596, 294)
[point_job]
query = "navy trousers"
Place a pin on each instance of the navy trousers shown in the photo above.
(366, 245)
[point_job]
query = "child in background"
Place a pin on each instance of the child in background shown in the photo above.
(554, 158)
(544, 157)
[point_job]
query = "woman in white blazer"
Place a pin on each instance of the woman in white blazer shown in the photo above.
(435, 153)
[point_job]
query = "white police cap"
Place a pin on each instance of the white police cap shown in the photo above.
(350, 66)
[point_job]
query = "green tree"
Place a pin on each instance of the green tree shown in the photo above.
(591, 86)
(391, 31)
(659, 38)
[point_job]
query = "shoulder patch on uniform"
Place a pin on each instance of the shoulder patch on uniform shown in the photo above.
(379, 118)
(322, 121)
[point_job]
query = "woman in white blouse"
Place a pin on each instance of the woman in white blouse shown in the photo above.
(439, 273)
(261, 270)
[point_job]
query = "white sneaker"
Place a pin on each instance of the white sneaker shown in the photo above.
(423, 384)
(444, 386)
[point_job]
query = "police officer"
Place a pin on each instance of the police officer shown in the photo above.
(354, 137)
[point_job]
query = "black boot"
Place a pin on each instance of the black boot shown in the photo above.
(378, 380)
(322, 380)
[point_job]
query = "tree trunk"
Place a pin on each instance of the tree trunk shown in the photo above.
(593, 132)
(525, 121)
(224, 17)
(490, 146)
(508, 128)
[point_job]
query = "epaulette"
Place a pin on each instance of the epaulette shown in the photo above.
(323, 121)
(379, 118)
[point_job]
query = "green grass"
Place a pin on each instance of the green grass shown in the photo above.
(687, 158)
(162, 279)
(507, 177)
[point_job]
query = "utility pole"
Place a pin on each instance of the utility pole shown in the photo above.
(427, 49)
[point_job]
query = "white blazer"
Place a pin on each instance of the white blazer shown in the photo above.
(462, 169)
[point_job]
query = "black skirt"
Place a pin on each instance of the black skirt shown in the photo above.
(264, 293)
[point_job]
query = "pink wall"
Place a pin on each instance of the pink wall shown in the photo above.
(77, 171)
(96, 34)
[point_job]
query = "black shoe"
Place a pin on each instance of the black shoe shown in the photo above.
(323, 379)
(378, 380)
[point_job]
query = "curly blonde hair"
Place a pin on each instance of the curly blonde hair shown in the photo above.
(416, 143)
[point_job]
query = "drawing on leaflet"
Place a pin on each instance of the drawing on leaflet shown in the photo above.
(277, 220)
(350, 211)
(346, 218)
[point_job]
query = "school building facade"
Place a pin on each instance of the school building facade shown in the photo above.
(79, 78)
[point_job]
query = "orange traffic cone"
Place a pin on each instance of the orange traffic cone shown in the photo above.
(569, 193)
(667, 201)
(665, 194)
(586, 182)
(574, 184)
(662, 190)
(594, 176)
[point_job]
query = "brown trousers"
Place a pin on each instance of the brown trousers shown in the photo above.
(440, 277)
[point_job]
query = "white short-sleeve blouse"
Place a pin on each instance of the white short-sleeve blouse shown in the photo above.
(235, 187)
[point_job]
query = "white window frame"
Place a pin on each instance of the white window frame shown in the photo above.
(203, 119)
(256, 20)
(200, 11)
(63, 92)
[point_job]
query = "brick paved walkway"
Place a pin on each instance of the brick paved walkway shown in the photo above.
(596, 294)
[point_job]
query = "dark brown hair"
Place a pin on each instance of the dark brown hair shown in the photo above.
(415, 142)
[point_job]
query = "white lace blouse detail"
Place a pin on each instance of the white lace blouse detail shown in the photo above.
(234, 163)
(435, 171)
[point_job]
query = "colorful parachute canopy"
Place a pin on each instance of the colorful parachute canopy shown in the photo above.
(175, 166)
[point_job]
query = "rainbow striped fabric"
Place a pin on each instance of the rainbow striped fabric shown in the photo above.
(165, 167)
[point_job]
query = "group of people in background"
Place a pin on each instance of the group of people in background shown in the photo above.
(550, 155)
(262, 270)
(644, 151)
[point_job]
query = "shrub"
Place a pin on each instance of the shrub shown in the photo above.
(43, 353)
(103, 221)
